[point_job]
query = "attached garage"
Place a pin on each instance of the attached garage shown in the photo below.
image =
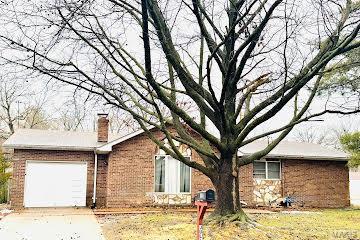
(55, 184)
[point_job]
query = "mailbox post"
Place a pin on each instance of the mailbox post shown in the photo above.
(202, 201)
(201, 209)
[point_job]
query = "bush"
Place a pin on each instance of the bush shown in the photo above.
(4, 178)
(351, 143)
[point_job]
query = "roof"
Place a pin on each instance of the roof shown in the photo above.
(55, 140)
(295, 150)
(87, 141)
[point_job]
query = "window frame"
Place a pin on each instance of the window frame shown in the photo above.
(266, 169)
(166, 179)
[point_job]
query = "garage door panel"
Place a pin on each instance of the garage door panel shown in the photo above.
(55, 184)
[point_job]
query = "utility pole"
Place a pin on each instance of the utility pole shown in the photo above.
(18, 114)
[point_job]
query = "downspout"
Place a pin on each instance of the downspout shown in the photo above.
(95, 176)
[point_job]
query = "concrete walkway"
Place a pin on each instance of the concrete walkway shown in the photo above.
(51, 224)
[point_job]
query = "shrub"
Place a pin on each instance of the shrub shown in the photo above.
(4, 178)
(351, 143)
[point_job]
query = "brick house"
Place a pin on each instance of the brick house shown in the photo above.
(56, 168)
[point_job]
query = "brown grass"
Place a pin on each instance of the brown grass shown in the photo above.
(327, 224)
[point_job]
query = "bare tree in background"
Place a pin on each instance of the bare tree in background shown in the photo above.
(311, 135)
(329, 137)
(35, 117)
(11, 92)
(72, 116)
(20, 107)
(120, 124)
(239, 62)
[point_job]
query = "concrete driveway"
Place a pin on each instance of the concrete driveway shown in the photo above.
(51, 224)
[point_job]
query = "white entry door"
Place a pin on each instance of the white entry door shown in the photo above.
(55, 184)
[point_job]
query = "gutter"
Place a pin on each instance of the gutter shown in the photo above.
(95, 180)
(300, 157)
(47, 147)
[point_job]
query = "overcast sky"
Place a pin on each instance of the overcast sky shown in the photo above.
(60, 94)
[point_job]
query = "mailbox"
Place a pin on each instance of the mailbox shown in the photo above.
(205, 196)
(202, 201)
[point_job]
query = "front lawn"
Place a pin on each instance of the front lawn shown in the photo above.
(327, 224)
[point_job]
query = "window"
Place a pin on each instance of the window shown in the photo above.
(267, 169)
(171, 175)
(160, 174)
(260, 170)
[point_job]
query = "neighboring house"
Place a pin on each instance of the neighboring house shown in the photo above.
(355, 186)
(54, 168)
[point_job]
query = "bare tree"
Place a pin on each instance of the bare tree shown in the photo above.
(311, 135)
(72, 116)
(239, 62)
(337, 132)
(11, 92)
(121, 123)
(20, 107)
(328, 136)
(35, 117)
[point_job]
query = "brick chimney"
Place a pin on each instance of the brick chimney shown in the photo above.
(103, 127)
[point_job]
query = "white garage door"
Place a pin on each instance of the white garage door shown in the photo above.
(55, 184)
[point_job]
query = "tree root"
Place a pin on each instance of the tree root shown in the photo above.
(239, 218)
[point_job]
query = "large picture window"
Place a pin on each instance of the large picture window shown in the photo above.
(266, 169)
(171, 175)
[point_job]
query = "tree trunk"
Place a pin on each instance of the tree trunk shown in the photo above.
(226, 199)
(237, 192)
(11, 127)
(224, 190)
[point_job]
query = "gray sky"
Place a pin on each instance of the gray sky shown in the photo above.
(299, 51)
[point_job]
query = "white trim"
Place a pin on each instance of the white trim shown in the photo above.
(95, 178)
(266, 169)
(51, 161)
(166, 179)
(302, 157)
(48, 147)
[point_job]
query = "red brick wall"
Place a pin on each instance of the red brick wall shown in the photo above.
(317, 183)
(19, 162)
(101, 181)
(199, 182)
(131, 172)
(103, 129)
(17, 183)
(246, 184)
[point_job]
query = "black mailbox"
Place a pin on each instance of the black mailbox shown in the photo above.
(205, 196)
